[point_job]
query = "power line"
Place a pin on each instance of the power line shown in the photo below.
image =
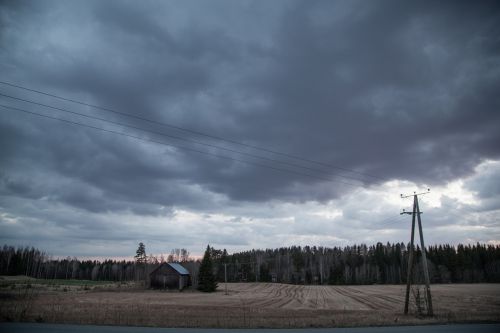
(383, 223)
(176, 137)
(193, 131)
(389, 221)
(376, 227)
(393, 219)
(181, 147)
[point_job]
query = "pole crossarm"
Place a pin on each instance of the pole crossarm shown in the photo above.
(403, 196)
(409, 213)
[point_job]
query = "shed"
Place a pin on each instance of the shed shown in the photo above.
(169, 275)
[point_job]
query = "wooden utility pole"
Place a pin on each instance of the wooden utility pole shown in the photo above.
(416, 214)
(410, 259)
(225, 276)
(430, 312)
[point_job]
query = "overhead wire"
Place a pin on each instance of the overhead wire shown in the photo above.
(373, 227)
(187, 130)
(389, 221)
(187, 140)
(381, 224)
(178, 137)
(180, 147)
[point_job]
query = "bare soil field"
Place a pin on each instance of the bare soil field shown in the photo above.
(250, 305)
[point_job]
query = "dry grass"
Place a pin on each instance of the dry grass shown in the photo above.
(252, 305)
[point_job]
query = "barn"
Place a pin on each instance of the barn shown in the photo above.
(169, 275)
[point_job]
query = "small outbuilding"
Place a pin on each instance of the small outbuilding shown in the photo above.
(169, 275)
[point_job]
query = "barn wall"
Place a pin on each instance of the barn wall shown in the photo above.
(170, 281)
(167, 277)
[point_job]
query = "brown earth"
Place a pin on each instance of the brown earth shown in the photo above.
(249, 305)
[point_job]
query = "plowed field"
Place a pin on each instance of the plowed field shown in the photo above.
(256, 305)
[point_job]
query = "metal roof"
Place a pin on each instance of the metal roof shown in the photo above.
(179, 268)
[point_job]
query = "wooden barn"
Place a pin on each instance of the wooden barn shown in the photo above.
(169, 275)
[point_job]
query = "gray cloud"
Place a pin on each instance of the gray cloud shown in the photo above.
(398, 90)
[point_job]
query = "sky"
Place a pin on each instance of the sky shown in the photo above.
(246, 124)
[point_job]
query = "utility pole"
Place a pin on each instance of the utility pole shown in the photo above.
(416, 214)
(225, 276)
(257, 267)
(237, 269)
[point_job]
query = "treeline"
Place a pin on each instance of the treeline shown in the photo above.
(38, 264)
(360, 264)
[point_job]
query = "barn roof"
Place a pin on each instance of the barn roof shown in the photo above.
(179, 268)
(176, 266)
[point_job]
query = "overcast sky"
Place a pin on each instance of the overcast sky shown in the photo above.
(329, 110)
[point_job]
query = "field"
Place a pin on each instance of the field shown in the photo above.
(246, 305)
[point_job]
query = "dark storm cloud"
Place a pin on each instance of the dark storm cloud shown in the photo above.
(396, 89)
(486, 186)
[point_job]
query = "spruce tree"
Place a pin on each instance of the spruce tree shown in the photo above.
(140, 256)
(140, 261)
(206, 277)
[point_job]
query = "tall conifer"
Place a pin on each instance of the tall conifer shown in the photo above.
(207, 282)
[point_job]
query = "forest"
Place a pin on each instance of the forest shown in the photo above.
(357, 264)
(361, 264)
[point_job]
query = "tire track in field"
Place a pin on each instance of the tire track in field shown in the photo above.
(359, 299)
(372, 298)
(321, 294)
(392, 299)
(366, 298)
(273, 297)
(298, 294)
(295, 295)
(312, 296)
(278, 296)
(333, 296)
(290, 297)
(388, 301)
(326, 292)
(359, 303)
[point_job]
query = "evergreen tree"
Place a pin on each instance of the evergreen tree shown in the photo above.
(140, 256)
(141, 260)
(206, 277)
